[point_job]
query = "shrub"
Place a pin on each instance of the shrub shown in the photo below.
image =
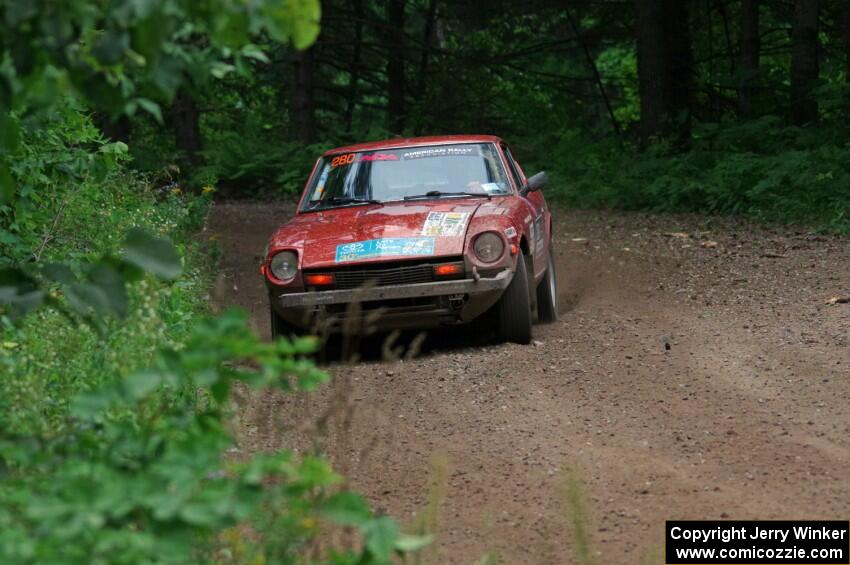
(113, 405)
(760, 169)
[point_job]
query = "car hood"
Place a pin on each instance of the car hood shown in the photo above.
(405, 230)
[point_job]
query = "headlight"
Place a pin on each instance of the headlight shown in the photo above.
(284, 265)
(488, 247)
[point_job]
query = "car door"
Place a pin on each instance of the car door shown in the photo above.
(538, 219)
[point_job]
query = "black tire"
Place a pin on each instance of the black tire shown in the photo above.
(547, 294)
(279, 326)
(513, 310)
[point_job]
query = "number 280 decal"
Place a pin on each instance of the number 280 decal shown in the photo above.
(350, 158)
(341, 160)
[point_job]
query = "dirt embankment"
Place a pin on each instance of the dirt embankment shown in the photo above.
(696, 372)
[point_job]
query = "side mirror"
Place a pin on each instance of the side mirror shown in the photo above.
(535, 182)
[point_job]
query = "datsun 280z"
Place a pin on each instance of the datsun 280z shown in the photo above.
(415, 234)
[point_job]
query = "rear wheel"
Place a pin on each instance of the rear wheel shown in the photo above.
(547, 294)
(513, 310)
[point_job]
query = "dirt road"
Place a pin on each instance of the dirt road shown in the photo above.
(696, 372)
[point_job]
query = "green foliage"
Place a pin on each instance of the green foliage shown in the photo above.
(121, 56)
(114, 401)
(113, 406)
(101, 289)
(618, 68)
(258, 166)
(758, 168)
(69, 174)
(60, 156)
(136, 472)
(65, 248)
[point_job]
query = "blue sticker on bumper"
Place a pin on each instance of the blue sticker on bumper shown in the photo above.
(394, 246)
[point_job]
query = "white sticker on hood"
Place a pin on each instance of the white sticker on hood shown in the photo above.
(448, 224)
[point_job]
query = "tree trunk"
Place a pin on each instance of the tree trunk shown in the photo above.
(750, 44)
(680, 65)
(354, 76)
(302, 110)
(424, 63)
(804, 62)
(395, 66)
(185, 119)
(430, 19)
(652, 75)
(724, 17)
(665, 68)
(846, 44)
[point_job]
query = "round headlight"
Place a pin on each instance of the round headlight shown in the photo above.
(284, 265)
(488, 247)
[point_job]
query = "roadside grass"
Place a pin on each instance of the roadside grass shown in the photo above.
(427, 523)
(50, 358)
(87, 200)
(579, 521)
(652, 556)
(490, 558)
(576, 513)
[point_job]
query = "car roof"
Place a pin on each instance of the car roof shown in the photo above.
(414, 142)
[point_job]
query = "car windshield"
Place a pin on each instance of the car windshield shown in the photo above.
(439, 171)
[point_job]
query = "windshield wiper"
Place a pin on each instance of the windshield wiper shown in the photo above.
(439, 194)
(344, 200)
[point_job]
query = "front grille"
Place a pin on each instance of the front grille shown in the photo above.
(381, 275)
(385, 277)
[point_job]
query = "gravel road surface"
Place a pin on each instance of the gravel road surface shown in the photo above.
(698, 371)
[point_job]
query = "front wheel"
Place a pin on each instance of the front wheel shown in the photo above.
(547, 294)
(279, 326)
(513, 310)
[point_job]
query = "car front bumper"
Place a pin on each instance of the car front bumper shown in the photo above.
(443, 288)
(417, 305)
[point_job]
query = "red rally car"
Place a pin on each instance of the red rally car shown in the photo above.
(415, 233)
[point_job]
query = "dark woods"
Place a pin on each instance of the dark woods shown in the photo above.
(632, 73)
(422, 66)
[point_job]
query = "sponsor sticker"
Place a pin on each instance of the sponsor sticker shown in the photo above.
(510, 232)
(379, 157)
(492, 187)
(448, 224)
(538, 230)
(320, 188)
(388, 247)
(447, 150)
(349, 158)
